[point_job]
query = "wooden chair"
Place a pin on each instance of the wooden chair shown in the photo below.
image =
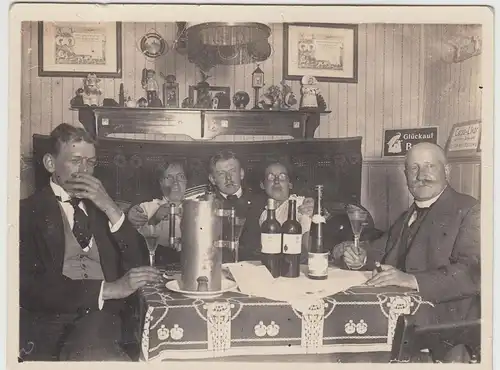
(410, 339)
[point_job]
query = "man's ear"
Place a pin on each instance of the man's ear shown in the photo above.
(242, 173)
(447, 172)
(211, 179)
(49, 162)
(262, 185)
(290, 185)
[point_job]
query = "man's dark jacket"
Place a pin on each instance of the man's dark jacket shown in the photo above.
(43, 287)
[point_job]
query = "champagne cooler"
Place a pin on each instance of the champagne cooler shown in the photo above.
(201, 255)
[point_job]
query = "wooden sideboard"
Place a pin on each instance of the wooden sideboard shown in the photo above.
(199, 124)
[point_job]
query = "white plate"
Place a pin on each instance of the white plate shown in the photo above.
(227, 286)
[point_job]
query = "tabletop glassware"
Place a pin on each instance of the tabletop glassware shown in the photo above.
(359, 219)
(232, 228)
(151, 234)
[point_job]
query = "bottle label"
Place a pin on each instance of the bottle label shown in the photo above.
(318, 264)
(292, 243)
(271, 243)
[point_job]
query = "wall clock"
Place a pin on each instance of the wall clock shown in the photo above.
(152, 45)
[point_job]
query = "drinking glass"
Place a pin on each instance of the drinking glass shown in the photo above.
(232, 227)
(358, 219)
(151, 233)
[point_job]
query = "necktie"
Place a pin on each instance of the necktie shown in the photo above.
(81, 228)
(232, 198)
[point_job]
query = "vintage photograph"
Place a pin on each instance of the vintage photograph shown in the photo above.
(318, 199)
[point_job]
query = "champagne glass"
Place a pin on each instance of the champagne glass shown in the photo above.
(151, 235)
(358, 219)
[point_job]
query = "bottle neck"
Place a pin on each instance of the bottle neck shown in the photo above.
(271, 214)
(292, 210)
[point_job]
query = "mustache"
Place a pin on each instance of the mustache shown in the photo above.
(424, 183)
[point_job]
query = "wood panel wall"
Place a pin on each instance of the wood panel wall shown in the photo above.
(402, 82)
(389, 92)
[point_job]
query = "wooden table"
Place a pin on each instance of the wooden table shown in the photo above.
(235, 326)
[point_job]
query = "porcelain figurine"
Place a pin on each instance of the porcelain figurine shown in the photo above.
(309, 92)
(91, 90)
(149, 84)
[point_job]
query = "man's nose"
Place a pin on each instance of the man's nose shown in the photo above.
(276, 180)
(422, 174)
(85, 167)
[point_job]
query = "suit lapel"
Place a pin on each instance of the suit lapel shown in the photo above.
(50, 222)
(394, 242)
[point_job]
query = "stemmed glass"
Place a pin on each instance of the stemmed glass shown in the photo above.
(232, 227)
(358, 219)
(151, 233)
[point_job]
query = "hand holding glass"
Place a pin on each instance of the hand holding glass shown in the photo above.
(358, 219)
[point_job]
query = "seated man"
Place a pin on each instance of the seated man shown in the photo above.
(434, 247)
(79, 258)
(173, 182)
(277, 185)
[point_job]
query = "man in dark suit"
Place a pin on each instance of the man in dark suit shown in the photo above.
(79, 258)
(226, 175)
(434, 247)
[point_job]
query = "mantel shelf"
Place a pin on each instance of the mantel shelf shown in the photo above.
(199, 124)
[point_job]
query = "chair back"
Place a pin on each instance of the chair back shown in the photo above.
(410, 339)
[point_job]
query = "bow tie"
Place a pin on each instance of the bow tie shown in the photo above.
(232, 197)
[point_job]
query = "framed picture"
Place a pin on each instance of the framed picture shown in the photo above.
(75, 49)
(464, 139)
(207, 100)
(171, 95)
(326, 51)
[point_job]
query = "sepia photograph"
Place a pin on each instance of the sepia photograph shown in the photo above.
(251, 184)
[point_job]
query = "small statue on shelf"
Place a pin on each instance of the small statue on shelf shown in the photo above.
(311, 98)
(271, 99)
(91, 90)
(130, 103)
(241, 99)
(150, 85)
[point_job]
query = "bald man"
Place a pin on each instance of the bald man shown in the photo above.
(433, 247)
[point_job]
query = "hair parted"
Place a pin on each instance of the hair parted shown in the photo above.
(66, 133)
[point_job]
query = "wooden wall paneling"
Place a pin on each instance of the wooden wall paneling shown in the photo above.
(342, 109)
(352, 111)
(477, 180)
(456, 176)
(397, 193)
(57, 101)
(370, 123)
(389, 76)
(377, 196)
(406, 76)
(26, 93)
(35, 84)
(361, 85)
(379, 88)
(333, 117)
(397, 77)
(414, 86)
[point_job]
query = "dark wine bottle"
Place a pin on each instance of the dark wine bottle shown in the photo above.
(270, 240)
(292, 243)
(318, 258)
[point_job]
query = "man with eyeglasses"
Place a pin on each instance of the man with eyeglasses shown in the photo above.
(79, 258)
(173, 181)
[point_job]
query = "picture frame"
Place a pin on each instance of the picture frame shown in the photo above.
(326, 51)
(75, 49)
(171, 95)
(213, 90)
(464, 139)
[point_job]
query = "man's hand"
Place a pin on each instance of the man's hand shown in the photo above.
(134, 279)
(85, 186)
(354, 259)
(307, 207)
(392, 276)
(163, 213)
(137, 216)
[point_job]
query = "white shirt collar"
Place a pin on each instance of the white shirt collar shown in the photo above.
(429, 202)
(238, 193)
(59, 191)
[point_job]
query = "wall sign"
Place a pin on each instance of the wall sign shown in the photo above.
(397, 142)
(464, 139)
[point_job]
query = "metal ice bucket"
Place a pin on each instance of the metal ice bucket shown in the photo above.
(201, 255)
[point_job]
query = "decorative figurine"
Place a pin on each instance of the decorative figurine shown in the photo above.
(187, 103)
(287, 96)
(170, 91)
(91, 90)
(77, 100)
(311, 98)
(149, 84)
(271, 99)
(223, 101)
(130, 103)
(309, 90)
(142, 103)
(241, 99)
(203, 98)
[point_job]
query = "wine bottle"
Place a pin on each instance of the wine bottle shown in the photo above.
(292, 243)
(171, 231)
(270, 240)
(318, 258)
